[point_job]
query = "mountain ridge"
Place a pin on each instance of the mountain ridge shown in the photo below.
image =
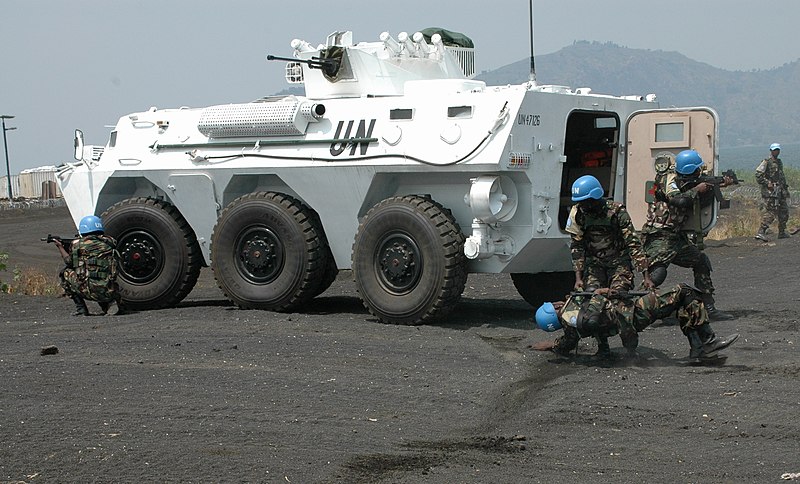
(755, 107)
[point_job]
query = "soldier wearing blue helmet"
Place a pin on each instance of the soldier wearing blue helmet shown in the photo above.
(774, 194)
(604, 314)
(90, 270)
(603, 241)
(666, 236)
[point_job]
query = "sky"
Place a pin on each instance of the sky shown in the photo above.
(67, 64)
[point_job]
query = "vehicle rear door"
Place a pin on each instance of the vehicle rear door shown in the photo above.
(655, 137)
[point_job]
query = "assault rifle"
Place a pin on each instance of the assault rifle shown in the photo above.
(65, 241)
(689, 182)
(613, 294)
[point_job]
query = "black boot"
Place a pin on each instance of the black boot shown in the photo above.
(704, 344)
(712, 344)
(603, 349)
(80, 306)
(715, 314)
(762, 234)
(782, 233)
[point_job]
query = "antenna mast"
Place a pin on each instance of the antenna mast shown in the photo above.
(532, 75)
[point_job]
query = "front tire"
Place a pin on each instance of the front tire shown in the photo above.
(160, 258)
(267, 253)
(408, 260)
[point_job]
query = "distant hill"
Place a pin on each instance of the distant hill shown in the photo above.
(755, 107)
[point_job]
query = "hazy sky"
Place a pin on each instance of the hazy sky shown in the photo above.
(70, 64)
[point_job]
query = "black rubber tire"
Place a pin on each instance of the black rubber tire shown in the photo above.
(266, 252)
(160, 258)
(408, 260)
(331, 269)
(537, 289)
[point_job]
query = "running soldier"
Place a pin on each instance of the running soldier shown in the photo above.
(599, 317)
(666, 233)
(91, 268)
(774, 194)
(604, 244)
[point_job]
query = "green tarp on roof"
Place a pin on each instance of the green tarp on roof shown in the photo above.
(453, 39)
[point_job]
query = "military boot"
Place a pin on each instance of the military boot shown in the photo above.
(715, 314)
(603, 349)
(712, 344)
(80, 306)
(783, 234)
(762, 234)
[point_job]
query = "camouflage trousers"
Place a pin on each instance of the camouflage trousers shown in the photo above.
(681, 299)
(615, 272)
(774, 208)
(665, 247)
(628, 318)
(615, 318)
(87, 288)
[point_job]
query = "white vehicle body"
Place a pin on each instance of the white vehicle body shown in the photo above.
(399, 122)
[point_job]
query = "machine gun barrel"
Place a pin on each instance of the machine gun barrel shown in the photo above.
(330, 66)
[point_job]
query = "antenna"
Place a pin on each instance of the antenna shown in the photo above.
(532, 75)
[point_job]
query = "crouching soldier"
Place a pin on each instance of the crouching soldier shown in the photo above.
(597, 316)
(91, 268)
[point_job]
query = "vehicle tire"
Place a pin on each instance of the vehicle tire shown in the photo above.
(266, 252)
(543, 287)
(408, 260)
(331, 269)
(160, 258)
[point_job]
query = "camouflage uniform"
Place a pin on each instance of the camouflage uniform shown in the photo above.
(665, 240)
(774, 203)
(604, 246)
(91, 269)
(600, 317)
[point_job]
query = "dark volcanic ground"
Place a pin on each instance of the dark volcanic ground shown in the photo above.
(209, 393)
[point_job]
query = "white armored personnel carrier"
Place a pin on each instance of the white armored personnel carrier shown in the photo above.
(395, 163)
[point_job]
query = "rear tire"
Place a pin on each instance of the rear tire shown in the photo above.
(408, 260)
(160, 258)
(266, 252)
(543, 287)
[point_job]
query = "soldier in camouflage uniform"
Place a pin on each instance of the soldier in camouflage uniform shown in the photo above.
(91, 268)
(666, 235)
(774, 194)
(604, 244)
(600, 317)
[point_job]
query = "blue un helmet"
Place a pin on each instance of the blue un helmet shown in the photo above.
(547, 318)
(774, 146)
(585, 187)
(90, 224)
(687, 162)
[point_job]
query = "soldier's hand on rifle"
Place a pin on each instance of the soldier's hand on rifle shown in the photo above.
(647, 281)
(726, 181)
(578, 281)
(703, 187)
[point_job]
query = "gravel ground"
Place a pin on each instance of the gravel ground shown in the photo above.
(206, 392)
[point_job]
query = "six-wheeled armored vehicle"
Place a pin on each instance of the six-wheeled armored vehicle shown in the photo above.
(395, 163)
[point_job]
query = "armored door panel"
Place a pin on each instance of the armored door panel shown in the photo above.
(653, 139)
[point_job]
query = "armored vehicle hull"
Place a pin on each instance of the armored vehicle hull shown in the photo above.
(394, 164)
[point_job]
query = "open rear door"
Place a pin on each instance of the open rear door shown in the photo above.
(656, 137)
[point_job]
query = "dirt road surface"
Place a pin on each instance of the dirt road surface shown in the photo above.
(206, 392)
